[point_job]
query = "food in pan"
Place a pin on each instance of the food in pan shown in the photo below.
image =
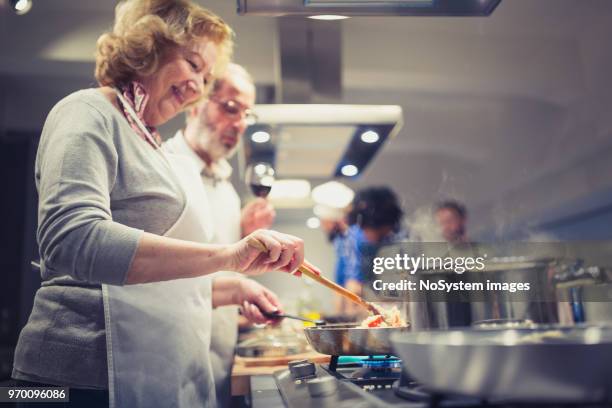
(389, 318)
(373, 321)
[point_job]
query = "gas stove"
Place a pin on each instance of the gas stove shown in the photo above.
(358, 382)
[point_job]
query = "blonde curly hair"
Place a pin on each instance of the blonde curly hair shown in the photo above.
(145, 30)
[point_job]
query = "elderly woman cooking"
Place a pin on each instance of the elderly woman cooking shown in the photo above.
(123, 314)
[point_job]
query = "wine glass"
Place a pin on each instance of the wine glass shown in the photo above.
(259, 178)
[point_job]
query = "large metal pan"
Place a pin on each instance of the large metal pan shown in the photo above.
(550, 363)
(350, 339)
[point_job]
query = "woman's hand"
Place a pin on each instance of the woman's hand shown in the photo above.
(253, 298)
(162, 258)
(283, 252)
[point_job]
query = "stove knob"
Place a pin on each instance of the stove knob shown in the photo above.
(296, 362)
(302, 370)
(321, 387)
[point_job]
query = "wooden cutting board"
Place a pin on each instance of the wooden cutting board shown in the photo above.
(312, 356)
(245, 367)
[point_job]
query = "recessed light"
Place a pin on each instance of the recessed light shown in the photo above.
(260, 169)
(260, 137)
(333, 194)
(290, 189)
(349, 170)
(313, 222)
(369, 136)
(328, 17)
(21, 6)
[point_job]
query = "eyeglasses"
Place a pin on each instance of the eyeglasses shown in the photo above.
(236, 110)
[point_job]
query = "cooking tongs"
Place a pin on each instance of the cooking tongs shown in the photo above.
(307, 269)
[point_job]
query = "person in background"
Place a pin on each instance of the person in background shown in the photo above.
(376, 220)
(335, 225)
(211, 135)
(123, 315)
(451, 216)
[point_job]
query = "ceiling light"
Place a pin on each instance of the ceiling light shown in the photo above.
(349, 170)
(324, 136)
(370, 136)
(313, 222)
(328, 17)
(260, 169)
(260, 137)
(293, 189)
(291, 194)
(332, 194)
(21, 6)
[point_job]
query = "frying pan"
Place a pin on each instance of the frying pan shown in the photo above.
(551, 363)
(350, 339)
(343, 339)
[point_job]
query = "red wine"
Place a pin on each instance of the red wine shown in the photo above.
(260, 190)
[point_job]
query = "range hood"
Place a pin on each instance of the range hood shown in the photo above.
(318, 141)
(367, 7)
(308, 134)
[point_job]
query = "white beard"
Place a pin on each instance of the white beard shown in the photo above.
(215, 149)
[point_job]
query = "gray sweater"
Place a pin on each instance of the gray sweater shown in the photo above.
(100, 186)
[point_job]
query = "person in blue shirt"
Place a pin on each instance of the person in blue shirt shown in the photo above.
(342, 237)
(374, 220)
(376, 216)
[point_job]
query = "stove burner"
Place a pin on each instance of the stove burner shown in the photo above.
(381, 363)
(371, 373)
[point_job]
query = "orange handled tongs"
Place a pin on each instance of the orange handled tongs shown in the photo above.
(307, 269)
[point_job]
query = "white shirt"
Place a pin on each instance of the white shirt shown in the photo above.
(224, 201)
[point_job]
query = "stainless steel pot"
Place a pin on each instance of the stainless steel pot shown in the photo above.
(443, 311)
(504, 263)
(585, 295)
(539, 306)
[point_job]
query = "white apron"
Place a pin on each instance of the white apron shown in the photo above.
(158, 334)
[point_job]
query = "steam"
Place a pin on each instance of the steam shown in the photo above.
(535, 236)
(423, 227)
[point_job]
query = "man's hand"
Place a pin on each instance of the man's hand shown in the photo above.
(253, 298)
(258, 214)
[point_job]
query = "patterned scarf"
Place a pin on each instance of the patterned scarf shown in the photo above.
(136, 95)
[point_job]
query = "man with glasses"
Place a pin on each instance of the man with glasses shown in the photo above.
(211, 135)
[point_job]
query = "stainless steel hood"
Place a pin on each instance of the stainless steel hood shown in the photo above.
(316, 141)
(368, 7)
(310, 134)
